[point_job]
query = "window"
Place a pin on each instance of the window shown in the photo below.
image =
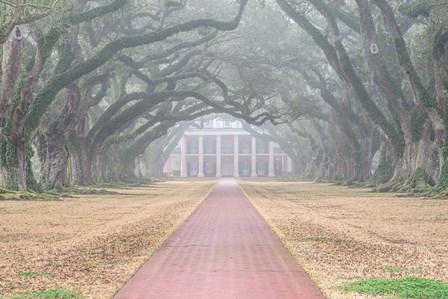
(209, 169)
(227, 145)
(245, 145)
(192, 146)
(209, 146)
(262, 146)
(193, 168)
(261, 168)
(226, 124)
(245, 168)
(208, 124)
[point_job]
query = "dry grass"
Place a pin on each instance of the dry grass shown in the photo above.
(339, 235)
(92, 244)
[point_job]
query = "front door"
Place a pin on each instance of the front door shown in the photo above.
(227, 167)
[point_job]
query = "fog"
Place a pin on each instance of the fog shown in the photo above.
(97, 92)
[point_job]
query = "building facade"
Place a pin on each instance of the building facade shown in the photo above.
(223, 149)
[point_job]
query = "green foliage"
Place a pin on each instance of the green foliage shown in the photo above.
(383, 173)
(27, 274)
(12, 195)
(419, 117)
(32, 274)
(442, 183)
(49, 294)
(407, 287)
(419, 180)
(415, 9)
(426, 99)
(88, 191)
(291, 178)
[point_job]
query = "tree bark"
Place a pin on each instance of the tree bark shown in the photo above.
(57, 159)
(9, 175)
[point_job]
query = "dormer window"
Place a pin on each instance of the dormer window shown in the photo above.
(208, 124)
(226, 124)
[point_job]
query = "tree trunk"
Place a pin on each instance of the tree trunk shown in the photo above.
(427, 156)
(100, 168)
(12, 176)
(56, 164)
(12, 52)
(57, 158)
(15, 152)
(81, 163)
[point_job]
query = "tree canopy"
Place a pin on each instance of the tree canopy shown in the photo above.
(352, 91)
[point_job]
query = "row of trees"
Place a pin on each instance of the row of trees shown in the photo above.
(378, 69)
(88, 86)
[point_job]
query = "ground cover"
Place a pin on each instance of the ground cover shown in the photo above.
(342, 236)
(88, 246)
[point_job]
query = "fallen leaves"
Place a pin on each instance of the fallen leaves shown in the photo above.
(92, 244)
(339, 235)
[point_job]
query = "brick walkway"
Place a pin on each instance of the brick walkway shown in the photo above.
(224, 250)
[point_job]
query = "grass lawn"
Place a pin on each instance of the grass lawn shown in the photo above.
(342, 237)
(88, 247)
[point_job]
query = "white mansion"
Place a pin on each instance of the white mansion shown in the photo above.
(223, 148)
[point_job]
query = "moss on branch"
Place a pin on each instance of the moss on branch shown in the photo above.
(416, 9)
(47, 95)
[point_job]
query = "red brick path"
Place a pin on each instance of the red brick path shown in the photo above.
(224, 250)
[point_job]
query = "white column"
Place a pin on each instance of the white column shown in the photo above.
(271, 160)
(236, 160)
(289, 165)
(218, 156)
(201, 157)
(254, 158)
(183, 157)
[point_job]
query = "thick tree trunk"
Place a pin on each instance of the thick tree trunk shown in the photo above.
(56, 164)
(157, 166)
(365, 167)
(403, 165)
(385, 169)
(15, 153)
(434, 107)
(12, 168)
(81, 163)
(125, 168)
(12, 175)
(12, 52)
(427, 155)
(100, 167)
(391, 95)
(441, 137)
(57, 158)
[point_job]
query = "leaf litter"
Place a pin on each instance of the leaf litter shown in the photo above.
(92, 244)
(340, 235)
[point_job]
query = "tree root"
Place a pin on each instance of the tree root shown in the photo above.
(417, 183)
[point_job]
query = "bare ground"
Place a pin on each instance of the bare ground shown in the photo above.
(92, 244)
(340, 235)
